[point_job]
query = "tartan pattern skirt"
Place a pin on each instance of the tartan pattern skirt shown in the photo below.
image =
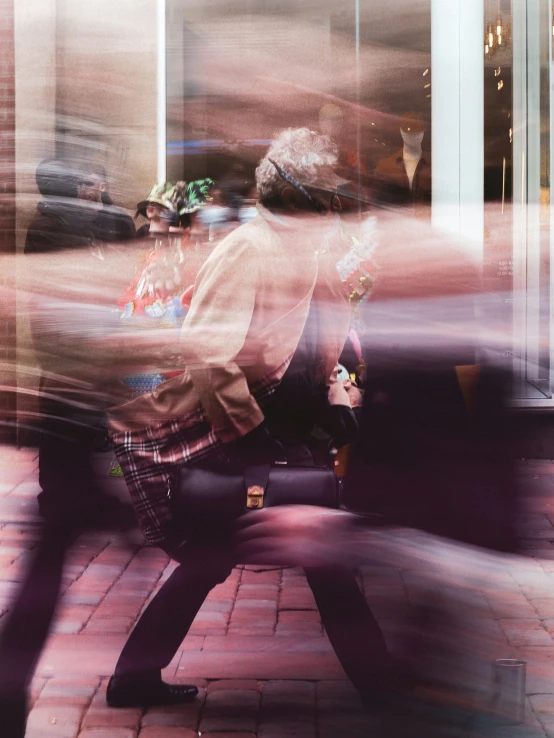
(148, 457)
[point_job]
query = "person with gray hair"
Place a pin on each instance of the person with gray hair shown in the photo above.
(260, 347)
(307, 156)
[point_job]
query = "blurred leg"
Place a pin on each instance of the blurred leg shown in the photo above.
(166, 621)
(351, 627)
(26, 628)
(70, 490)
(65, 472)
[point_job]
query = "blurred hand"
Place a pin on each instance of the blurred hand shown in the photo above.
(354, 393)
(97, 275)
(343, 391)
(297, 535)
(70, 299)
(337, 394)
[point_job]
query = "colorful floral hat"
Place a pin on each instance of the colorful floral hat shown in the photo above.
(195, 195)
(159, 195)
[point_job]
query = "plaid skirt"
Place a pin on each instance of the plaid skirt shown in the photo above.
(148, 457)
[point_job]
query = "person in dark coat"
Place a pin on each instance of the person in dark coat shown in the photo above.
(58, 222)
(110, 224)
(67, 430)
(70, 501)
(76, 209)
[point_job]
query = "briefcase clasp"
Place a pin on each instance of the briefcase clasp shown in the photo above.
(255, 497)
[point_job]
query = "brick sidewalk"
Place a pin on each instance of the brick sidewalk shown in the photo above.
(257, 649)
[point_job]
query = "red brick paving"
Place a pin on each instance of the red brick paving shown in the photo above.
(257, 650)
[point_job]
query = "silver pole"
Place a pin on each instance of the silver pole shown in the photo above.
(161, 84)
(358, 95)
(509, 676)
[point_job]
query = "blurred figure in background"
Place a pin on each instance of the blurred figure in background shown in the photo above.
(162, 287)
(76, 210)
(233, 203)
(248, 210)
(153, 209)
(110, 223)
(172, 209)
(234, 187)
(160, 293)
(333, 124)
(58, 270)
(57, 222)
(218, 217)
(70, 414)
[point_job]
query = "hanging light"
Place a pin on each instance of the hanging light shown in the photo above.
(490, 36)
(497, 35)
(499, 32)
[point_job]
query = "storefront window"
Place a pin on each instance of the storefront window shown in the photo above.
(240, 70)
(531, 130)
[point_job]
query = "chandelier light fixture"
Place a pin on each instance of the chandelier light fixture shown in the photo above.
(497, 33)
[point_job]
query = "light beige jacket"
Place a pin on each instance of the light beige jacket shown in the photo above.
(249, 308)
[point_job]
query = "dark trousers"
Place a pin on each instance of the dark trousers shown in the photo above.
(65, 471)
(67, 435)
(64, 426)
(353, 631)
(26, 627)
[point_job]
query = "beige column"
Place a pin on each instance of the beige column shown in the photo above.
(85, 87)
(107, 90)
(35, 139)
(35, 100)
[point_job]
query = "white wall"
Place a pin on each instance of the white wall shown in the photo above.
(458, 120)
(107, 89)
(35, 100)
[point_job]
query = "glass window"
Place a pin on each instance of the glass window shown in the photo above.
(531, 163)
(240, 70)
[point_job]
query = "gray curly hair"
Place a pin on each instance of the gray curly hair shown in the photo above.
(299, 152)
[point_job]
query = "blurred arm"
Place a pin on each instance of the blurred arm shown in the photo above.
(214, 333)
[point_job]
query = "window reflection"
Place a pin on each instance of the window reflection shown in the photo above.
(239, 71)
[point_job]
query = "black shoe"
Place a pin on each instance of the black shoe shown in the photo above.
(121, 693)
